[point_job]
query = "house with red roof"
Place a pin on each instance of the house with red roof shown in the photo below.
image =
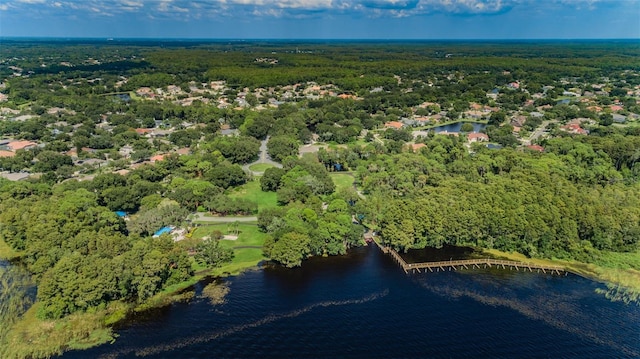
(183, 151)
(477, 137)
(145, 92)
(20, 145)
(143, 131)
(514, 85)
(394, 124)
(417, 146)
(536, 148)
(157, 158)
(345, 96)
(574, 128)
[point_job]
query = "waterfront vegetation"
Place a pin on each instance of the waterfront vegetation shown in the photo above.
(104, 172)
(618, 271)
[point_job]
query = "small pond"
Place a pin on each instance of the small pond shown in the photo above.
(455, 127)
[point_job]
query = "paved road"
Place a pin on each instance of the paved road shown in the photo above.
(537, 132)
(263, 158)
(227, 219)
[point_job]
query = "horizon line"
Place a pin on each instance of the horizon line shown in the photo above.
(310, 38)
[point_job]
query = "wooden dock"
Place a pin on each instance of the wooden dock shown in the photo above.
(468, 264)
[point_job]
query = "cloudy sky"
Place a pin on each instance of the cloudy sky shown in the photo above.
(322, 19)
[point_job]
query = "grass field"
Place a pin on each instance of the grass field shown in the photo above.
(6, 252)
(260, 167)
(244, 258)
(251, 191)
(342, 180)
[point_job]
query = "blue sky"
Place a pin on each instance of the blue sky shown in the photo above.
(323, 19)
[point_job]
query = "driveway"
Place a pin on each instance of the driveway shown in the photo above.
(263, 158)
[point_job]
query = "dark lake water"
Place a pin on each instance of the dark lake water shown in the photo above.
(455, 127)
(363, 306)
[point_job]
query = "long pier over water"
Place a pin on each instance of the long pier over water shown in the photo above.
(468, 264)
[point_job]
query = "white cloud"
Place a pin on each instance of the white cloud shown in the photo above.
(164, 5)
(465, 6)
(284, 4)
(189, 9)
(132, 3)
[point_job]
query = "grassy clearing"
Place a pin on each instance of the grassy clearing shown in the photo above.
(360, 142)
(260, 167)
(249, 236)
(619, 260)
(342, 180)
(243, 260)
(7, 252)
(251, 191)
(134, 96)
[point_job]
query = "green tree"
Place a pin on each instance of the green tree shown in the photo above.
(497, 118)
(241, 149)
(290, 249)
(280, 147)
(50, 161)
(270, 180)
(466, 127)
(209, 252)
(606, 119)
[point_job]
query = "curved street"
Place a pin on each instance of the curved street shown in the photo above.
(263, 158)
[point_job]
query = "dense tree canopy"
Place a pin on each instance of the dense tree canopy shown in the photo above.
(578, 198)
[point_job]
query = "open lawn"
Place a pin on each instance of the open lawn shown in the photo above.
(342, 180)
(260, 167)
(247, 249)
(243, 259)
(251, 191)
(248, 235)
(360, 142)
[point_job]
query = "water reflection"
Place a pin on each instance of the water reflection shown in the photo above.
(572, 310)
(364, 306)
(218, 334)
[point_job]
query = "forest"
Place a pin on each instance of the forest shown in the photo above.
(162, 132)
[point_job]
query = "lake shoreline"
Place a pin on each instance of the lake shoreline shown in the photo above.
(626, 279)
(30, 336)
(99, 325)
